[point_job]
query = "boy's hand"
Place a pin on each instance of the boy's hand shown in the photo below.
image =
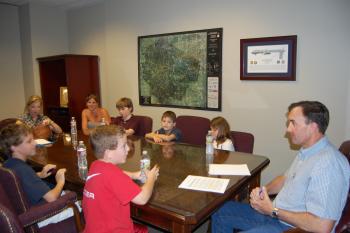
(47, 170)
(60, 175)
(153, 173)
(136, 175)
(157, 139)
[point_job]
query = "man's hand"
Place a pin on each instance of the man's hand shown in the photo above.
(260, 201)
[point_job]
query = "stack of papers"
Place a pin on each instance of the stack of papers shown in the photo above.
(229, 169)
(42, 142)
(201, 183)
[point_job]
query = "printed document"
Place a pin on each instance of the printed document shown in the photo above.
(229, 169)
(201, 183)
(42, 142)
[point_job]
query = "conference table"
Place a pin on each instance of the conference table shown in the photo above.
(170, 208)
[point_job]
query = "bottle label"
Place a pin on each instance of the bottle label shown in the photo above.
(145, 164)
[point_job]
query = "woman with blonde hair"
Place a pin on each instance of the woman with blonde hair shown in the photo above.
(93, 115)
(33, 117)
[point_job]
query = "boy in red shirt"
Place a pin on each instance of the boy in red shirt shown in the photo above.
(109, 190)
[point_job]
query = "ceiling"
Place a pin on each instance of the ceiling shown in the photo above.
(65, 4)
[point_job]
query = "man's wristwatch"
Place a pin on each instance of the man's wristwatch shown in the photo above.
(274, 213)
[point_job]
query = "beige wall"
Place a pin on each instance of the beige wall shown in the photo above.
(49, 36)
(27, 32)
(11, 88)
(110, 30)
(255, 106)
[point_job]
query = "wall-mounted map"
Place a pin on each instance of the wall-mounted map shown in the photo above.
(181, 69)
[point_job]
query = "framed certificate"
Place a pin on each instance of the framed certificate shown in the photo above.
(268, 58)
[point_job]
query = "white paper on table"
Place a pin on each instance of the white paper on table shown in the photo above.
(229, 169)
(201, 183)
(42, 142)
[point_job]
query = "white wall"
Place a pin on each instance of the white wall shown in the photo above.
(11, 88)
(255, 106)
(48, 36)
(110, 30)
(27, 32)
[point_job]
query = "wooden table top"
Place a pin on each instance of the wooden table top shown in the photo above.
(176, 162)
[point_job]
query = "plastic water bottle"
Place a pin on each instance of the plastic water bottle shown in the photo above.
(209, 149)
(145, 163)
(82, 161)
(103, 121)
(73, 133)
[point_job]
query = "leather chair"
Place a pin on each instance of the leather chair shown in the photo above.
(343, 225)
(9, 223)
(242, 141)
(146, 124)
(193, 128)
(14, 199)
(4, 123)
(42, 131)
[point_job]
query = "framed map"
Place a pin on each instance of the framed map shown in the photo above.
(181, 69)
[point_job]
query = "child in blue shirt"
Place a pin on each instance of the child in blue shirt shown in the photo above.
(168, 132)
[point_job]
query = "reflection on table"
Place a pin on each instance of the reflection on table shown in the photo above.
(170, 208)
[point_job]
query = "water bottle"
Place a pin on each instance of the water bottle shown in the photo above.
(73, 133)
(209, 149)
(103, 121)
(145, 163)
(82, 161)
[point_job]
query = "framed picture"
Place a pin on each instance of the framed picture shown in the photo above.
(269, 58)
(63, 97)
(181, 69)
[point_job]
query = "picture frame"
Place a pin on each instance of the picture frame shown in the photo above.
(63, 97)
(268, 58)
(181, 69)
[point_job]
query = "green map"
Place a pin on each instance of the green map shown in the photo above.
(172, 70)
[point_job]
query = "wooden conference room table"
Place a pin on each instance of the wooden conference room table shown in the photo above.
(170, 208)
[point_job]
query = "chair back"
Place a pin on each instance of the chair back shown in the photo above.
(7, 121)
(146, 124)
(17, 202)
(42, 131)
(243, 141)
(9, 222)
(345, 149)
(344, 222)
(4, 123)
(193, 128)
(13, 186)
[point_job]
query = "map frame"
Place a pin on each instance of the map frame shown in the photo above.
(201, 69)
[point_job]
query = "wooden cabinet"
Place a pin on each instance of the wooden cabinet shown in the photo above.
(79, 73)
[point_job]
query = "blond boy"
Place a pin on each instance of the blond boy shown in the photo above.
(108, 189)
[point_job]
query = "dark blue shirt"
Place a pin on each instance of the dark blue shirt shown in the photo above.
(32, 185)
(177, 132)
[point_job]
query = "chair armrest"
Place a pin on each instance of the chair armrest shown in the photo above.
(38, 213)
(295, 230)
